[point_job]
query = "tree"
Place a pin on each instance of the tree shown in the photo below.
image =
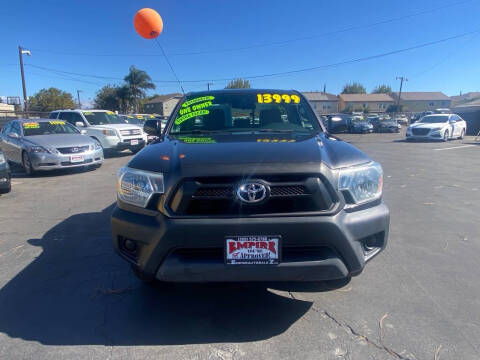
(138, 81)
(125, 98)
(348, 109)
(238, 84)
(107, 98)
(354, 88)
(47, 100)
(382, 89)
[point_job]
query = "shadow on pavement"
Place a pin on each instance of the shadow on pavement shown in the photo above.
(79, 292)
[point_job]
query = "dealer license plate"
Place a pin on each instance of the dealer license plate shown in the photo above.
(76, 159)
(134, 142)
(252, 250)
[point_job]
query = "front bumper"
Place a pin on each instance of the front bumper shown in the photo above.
(47, 161)
(314, 248)
(4, 177)
(432, 135)
(127, 144)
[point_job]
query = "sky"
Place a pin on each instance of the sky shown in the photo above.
(220, 39)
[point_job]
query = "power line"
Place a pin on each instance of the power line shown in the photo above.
(319, 67)
(266, 44)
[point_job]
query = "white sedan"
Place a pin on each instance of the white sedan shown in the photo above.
(437, 127)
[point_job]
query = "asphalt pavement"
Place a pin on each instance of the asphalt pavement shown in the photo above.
(64, 293)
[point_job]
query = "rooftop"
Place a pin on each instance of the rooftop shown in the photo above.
(365, 97)
(423, 96)
(319, 96)
(163, 98)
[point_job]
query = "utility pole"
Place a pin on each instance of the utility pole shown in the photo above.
(324, 88)
(22, 51)
(208, 86)
(78, 96)
(402, 79)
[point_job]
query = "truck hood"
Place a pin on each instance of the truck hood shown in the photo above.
(249, 151)
(59, 140)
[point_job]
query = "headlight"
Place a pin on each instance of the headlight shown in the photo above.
(96, 146)
(109, 132)
(41, 149)
(2, 159)
(362, 183)
(136, 187)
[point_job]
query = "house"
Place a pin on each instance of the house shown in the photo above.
(465, 98)
(423, 101)
(162, 104)
(323, 103)
(357, 102)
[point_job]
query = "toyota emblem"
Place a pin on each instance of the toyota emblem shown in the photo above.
(251, 193)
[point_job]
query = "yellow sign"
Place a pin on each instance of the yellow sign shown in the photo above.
(197, 100)
(57, 122)
(31, 125)
(197, 140)
(87, 113)
(277, 98)
(276, 140)
(190, 115)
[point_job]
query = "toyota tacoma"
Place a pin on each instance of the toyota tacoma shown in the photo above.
(247, 185)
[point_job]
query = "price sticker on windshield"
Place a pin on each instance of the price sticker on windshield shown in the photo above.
(57, 122)
(267, 98)
(31, 125)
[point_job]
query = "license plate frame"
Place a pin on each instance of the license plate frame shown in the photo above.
(74, 159)
(253, 250)
(134, 142)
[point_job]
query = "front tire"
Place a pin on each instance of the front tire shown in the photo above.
(27, 164)
(445, 136)
(462, 134)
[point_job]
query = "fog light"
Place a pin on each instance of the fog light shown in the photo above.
(370, 243)
(130, 245)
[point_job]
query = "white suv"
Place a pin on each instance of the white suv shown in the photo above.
(106, 127)
(437, 127)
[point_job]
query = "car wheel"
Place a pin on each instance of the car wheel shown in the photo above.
(462, 135)
(27, 164)
(445, 136)
(146, 278)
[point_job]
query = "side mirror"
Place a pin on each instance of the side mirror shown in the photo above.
(79, 124)
(153, 127)
(453, 121)
(13, 135)
(83, 132)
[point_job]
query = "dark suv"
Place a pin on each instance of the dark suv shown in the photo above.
(246, 185)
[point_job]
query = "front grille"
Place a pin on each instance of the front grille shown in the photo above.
(217, 196)
(68, 163)
(420, 131)
(73, 149)
(130, 132)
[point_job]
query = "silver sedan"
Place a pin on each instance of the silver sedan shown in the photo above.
(45, 144)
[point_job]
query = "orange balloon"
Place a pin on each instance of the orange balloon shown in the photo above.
(148, 23)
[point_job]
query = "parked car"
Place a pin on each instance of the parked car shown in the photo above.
(5, 175)
(46, 144)
(106, 127)
(383, 125)
(414, 118)
(442, 111)
(224, 197)
(437, 127)
(338, 123)
(401, 119)
(358, 125)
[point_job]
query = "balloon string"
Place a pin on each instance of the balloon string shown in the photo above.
(169, 64)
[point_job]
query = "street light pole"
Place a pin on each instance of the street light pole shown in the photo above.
(21, 51)
(78, 96)
(208, 86)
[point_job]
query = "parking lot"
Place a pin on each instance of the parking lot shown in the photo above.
(65, 293)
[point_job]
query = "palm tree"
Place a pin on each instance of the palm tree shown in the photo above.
(138, 81)
(124, 97)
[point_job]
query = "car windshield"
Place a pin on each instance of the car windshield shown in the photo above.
(53, 127)
(431, 119)
(247, 112)
(102, 118)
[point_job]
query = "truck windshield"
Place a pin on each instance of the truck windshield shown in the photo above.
(102, 118)
(48, 128)
(244, 113)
